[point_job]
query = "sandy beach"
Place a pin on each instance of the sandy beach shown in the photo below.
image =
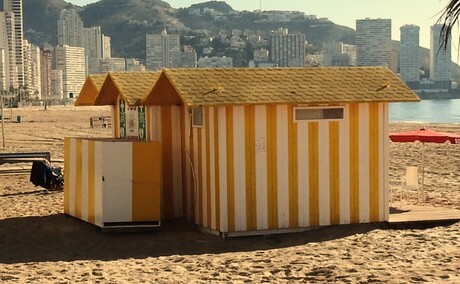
(39, 244)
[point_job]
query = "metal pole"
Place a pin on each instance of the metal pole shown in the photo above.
(423, 171)
(3, 119)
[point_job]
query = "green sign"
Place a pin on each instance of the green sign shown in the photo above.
(122, 110)
(142, 124)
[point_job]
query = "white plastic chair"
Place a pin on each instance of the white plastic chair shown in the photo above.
(410, 183)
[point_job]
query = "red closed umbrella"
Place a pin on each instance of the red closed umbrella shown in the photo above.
(425, 136)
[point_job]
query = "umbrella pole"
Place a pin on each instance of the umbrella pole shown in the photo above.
(423, 172)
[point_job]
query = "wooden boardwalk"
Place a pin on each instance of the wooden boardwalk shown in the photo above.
(406, 214)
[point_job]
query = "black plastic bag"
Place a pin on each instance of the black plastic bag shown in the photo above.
(46, 176)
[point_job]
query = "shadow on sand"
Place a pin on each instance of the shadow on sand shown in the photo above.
(62, 238)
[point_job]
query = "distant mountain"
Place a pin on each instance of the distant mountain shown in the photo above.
(128, 21)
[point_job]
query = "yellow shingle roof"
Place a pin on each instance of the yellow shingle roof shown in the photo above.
(315, 85)
(98, 80)
(133, 87)
(90, 89)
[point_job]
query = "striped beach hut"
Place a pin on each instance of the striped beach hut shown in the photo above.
(273, 150)
(265, 150)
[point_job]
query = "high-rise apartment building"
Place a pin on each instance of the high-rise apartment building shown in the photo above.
(15, 6)
(339, 54)
(45, 73)
(57, 84)
(27, 62)
(162, 51)
(72, 33)
(71, 61)
(70, 28)
(107, 47)
(7, 44)
(440, 59)
(373, 42)
(35, 74)
(94, 47)
(409, 55)
(93, 42)
(287, 50)
(112, 65)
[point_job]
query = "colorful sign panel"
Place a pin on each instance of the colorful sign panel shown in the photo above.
(132, 121)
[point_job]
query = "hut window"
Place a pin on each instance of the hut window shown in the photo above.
(197, 117)
(309, 114)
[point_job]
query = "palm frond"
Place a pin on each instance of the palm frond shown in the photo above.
(448, 19)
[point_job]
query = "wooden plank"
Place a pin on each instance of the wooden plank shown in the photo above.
(18, 158)
(419, 213)
(25, 155)
(14, 171)
(13, 158)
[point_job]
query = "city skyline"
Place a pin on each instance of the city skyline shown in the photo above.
(345, 12)
(372, 48)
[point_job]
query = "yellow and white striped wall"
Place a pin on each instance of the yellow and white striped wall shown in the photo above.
(113, 183)
(163, 125)
(254, 168)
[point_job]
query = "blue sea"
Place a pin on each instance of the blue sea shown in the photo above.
(426, 111)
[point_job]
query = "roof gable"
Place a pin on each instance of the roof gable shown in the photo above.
(163, 93)
(133, 87)
(90, 89)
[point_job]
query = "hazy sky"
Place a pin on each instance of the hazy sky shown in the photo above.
(423, 13)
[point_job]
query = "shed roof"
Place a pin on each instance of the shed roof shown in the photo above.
(133, 87)
(90, 89)
(313, 85)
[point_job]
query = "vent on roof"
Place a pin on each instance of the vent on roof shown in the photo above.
(317, 113)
